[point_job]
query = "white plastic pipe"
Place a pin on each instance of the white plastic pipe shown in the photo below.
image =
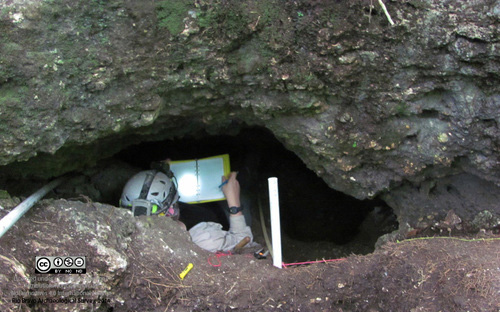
(386, 12)
(275, 222)
(11, 218)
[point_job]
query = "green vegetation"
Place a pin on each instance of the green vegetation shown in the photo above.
(229, 18)
(402, 110)
(4, 13)
(171, 14)
(239, 17)
(207, 19)
(4, 194)
(12, 96)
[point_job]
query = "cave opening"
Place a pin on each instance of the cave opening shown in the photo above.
(317, 221)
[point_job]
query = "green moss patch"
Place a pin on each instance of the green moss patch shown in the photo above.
(171, 14)
(12, 96)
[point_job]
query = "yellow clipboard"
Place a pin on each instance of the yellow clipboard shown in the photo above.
(199, 179)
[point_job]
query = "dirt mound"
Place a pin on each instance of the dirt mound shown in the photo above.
(438, 274)
(133, 264)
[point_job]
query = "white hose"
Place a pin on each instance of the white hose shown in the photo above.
(11, 218)
(386, 12)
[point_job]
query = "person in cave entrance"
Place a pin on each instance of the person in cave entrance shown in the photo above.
(153, 192)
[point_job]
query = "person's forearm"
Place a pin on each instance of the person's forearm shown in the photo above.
(231, 190)
(233, 202)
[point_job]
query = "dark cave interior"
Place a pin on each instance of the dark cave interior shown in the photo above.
(316, 220)
(310, 210)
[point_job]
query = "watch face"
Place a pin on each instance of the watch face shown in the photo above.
(234, 210)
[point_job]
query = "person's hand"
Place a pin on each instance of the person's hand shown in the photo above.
(231, 189)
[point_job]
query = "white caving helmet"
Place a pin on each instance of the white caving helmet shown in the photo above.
(150, 192)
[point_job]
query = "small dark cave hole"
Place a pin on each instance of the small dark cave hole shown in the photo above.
(371, 10)
(316, 221)
(429, 113)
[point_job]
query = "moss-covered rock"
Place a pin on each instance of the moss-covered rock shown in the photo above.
(368, 106)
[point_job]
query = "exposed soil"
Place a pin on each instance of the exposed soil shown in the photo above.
(421, 274)
(430, 275)
(418, 274)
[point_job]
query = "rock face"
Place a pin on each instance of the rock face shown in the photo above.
(117, 247)
(373, 109)
(102, 235)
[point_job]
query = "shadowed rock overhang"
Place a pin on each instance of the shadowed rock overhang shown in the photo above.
(408, 112)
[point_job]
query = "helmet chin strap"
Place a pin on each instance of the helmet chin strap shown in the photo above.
(146, 185)
(171, 197)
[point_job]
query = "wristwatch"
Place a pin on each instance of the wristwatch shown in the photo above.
(234, 209)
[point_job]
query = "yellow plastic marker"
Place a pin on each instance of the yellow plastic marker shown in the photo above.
(186, 271)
